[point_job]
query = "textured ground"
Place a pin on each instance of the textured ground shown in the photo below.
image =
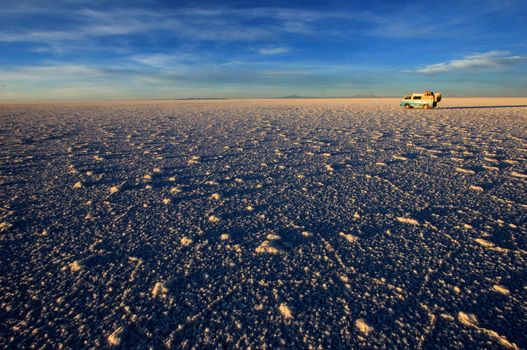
(339, 224)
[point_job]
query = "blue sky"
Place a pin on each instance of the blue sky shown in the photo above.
(74, 50)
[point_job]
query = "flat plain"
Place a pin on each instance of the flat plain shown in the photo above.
(345, 223)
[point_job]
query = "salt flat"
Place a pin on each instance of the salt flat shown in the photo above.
(281, 223)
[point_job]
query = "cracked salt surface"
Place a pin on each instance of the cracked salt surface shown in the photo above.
(296, 224)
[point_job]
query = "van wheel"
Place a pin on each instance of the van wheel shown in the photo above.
(407, 106)
(426, 106)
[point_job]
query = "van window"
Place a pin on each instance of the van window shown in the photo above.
(417, 97)
(408, 97)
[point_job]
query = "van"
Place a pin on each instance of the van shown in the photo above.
(426, 100)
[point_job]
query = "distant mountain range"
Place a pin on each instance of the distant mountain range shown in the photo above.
(283, 97)
(353, 96)
(203, 98)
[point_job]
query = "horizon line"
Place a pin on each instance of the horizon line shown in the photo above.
(190, 99)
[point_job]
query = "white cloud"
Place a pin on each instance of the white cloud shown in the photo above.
(492, 59)
(158, 60)
(48, 73)
(219, 24)
(272, 50)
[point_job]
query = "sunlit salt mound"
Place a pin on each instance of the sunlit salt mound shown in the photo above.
(306, 234)
(215, 196)
(471, 321)
(363, 327)
(75, 266)
(501, 289)
(285, 310)
(160, 290)
(114, 339)
(467, 319)
(476, 188)
(185, 241)
(194, 160)
(214, 219)
(269, 246)
(409, 221)
(175, 190)
(519, 175)
(348, 237)
(465, 171)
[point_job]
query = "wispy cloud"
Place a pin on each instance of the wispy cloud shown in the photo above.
(272, 50)
(81, 24)
(58, 72)
(220, 24)
(492, 59)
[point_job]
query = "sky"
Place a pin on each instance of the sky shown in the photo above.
(94, 49)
